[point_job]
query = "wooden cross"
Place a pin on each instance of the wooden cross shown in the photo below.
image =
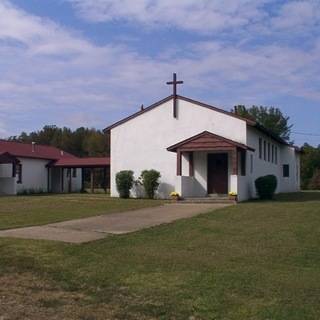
(174, 83)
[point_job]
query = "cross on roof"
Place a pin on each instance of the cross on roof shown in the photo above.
(174, 84)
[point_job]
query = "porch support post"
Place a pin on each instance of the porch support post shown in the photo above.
(191, 168)
(82, 179)
(48, 179)
(92, 180)
(234, 156)
(14, 170)
(62, 179)
(179, 162)
(70, 180)
(105, 179)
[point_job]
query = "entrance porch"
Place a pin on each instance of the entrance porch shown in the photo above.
(209, 165)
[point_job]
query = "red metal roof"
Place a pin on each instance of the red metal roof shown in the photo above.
(37, 151)
(92, 162)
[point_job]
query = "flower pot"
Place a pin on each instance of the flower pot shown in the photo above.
(175, 198)
(234, 198)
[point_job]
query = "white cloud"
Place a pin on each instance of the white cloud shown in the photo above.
(242, 18)
(54, 75)
(297, 14)
(200, 15)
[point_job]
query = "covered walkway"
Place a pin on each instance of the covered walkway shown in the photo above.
(67, 169)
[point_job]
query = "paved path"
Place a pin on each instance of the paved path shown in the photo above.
(94, 228)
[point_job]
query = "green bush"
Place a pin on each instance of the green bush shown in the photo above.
(266, 186)
(124, 182)
(150, 181)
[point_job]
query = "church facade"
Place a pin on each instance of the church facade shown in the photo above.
(200, 150)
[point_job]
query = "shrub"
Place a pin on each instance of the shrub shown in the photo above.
(150, 182)
(31, 191)
(124, 182)
(266, 186)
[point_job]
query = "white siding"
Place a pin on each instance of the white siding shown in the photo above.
(34, 175)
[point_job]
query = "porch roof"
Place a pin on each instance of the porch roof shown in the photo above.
(6, 158)
(206, 141)
(90, 162)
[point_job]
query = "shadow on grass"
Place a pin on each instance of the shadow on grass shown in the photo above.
(303, 196)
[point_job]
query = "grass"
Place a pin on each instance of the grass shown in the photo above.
(257, 260)
(25, 211)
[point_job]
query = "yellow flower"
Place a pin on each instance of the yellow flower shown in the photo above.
(232, 193)
(174, 194)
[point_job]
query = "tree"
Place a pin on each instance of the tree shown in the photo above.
(81, 142)
(310, 162)
(314, 183)
(270, 117)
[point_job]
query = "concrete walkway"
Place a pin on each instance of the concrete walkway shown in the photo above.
(94, 228)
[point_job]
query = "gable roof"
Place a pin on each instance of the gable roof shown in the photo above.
(6, 157)
(26, 150)
(158, 103)
(207, 141)
(249, 122)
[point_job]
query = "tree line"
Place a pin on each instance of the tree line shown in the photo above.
(84, 142)
(81, 142)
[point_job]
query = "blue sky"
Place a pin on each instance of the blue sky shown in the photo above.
(91, 62)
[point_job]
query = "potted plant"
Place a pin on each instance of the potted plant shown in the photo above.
(233, 195)
(175, 196)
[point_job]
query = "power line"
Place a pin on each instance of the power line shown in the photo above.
(307, 134)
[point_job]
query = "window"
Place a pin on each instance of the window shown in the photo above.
(243, 163)
(286, 171)
(74, 173)
(276, 155)
(260, 148)
(265, 150)
(272, 154)
(269, 153)
(19, 173)
(251, 163)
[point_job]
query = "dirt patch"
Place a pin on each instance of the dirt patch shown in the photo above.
(24, 296)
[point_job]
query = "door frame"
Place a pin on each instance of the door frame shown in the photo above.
(227, 171)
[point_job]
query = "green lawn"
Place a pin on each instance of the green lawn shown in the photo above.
(36, 210)
(257, 260)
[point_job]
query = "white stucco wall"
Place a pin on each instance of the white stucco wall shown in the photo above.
(7, 182)
(286, 155)
(75, 182)
(34, 175)
(56, 180)
(6, 170)
(141, 143)
(291, 157)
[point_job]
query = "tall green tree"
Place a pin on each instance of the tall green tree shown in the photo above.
(270, 117)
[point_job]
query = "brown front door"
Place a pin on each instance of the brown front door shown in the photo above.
(217, 173)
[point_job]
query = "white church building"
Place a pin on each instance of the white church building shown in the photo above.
(200, 150)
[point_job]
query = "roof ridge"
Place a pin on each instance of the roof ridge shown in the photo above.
(150, 107)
